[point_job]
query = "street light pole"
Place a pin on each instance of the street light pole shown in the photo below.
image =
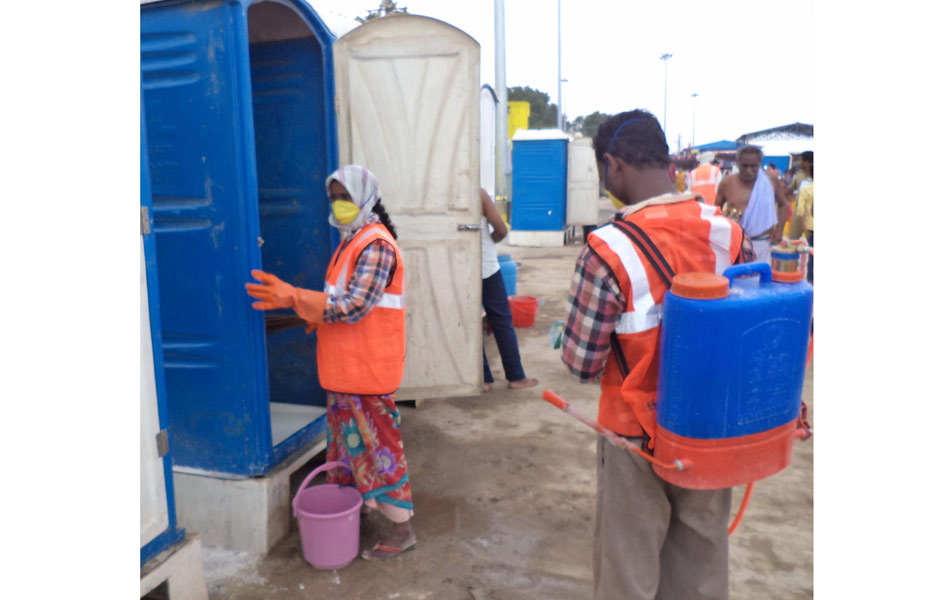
(501, 112)
(666, 68)
(694, 119)
(560, 125)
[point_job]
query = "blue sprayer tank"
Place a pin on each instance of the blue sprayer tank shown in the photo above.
(732, 365)
(509, 274)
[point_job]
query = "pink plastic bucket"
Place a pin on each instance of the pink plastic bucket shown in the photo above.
(329, 520)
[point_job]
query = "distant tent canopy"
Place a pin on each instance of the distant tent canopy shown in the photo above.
(778, 144)
(720, 146)
(795, 131)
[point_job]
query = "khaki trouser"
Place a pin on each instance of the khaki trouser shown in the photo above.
(654, 540)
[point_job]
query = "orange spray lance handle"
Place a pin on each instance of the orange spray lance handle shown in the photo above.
(612, 437)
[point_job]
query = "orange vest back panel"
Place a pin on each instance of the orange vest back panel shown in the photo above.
(691, 236)
(704, 179)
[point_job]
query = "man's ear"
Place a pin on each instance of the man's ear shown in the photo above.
(612, 167)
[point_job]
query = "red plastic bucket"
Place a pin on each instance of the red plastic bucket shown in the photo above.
(523, 310)
(329, 520)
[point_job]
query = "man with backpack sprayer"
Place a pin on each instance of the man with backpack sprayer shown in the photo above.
(652, 539)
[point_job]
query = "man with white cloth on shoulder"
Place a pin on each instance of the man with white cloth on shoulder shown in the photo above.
(753, 199)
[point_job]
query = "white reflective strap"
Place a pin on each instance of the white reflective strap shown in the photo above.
(369, 231)
(645, 314)
(341, 280)
(380, 231)
(636, 321)
(720, 237)
(394, 301)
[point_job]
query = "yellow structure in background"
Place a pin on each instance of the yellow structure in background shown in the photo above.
(518, 113)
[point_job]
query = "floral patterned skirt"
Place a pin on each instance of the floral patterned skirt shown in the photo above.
(364, 434)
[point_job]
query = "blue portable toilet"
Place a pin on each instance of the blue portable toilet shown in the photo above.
(157, 502)
(241, 134)
(538, 180)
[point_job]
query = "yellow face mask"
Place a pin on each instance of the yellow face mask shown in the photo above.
(615, 201)
(345, 211)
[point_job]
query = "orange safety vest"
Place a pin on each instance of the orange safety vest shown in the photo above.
(705, 178)
(691, 236)
(366, 357)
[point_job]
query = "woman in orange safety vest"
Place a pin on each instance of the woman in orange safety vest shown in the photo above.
(360, 319)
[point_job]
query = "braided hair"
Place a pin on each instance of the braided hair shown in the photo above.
(380, 211)
(634, 137)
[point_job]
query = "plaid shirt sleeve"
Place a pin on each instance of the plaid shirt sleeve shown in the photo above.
(365, 287)
(595, 305)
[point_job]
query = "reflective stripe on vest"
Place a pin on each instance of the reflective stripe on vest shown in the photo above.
(720, 236)
(645, 313)
(396, 301)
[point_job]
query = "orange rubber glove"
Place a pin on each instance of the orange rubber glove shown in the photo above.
(274, 293)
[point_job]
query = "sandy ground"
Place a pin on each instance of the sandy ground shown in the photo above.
(504, 488)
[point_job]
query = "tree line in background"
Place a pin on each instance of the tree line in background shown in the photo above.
(544, 112)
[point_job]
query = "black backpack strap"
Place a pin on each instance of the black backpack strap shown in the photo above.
(649, 249)
(618, 355)
(659, 263)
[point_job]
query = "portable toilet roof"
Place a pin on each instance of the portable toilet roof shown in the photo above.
(539, 134)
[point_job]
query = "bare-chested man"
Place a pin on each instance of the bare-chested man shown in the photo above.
(763, 215)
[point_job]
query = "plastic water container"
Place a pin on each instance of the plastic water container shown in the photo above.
(523, 310)
(732, 365)
(509, 274)
(329, 519)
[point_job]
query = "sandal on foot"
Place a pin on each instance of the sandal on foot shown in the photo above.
(382, 552)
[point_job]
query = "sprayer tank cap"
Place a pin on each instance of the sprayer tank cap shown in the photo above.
(700, 286)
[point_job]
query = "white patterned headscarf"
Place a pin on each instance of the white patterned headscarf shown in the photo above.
(363, 188)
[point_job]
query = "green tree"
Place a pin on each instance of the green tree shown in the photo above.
(543, 113)
(588, 125)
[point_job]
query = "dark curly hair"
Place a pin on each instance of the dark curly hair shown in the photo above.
(380, 210)
(634, 137)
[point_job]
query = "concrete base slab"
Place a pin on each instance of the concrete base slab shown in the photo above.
(180, 568)
(251, 515)
(536, 239)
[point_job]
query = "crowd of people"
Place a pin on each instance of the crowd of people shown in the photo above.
(745, 190)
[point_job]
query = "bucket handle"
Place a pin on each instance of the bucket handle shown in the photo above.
(763, 269)
(324, 467)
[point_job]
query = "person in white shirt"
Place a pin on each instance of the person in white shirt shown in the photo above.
(495, 302)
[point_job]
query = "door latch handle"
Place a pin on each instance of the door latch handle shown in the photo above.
(469, 227)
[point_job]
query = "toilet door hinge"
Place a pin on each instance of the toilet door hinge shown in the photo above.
(161, 440)
(145, 227)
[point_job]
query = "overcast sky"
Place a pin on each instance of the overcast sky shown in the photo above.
(747, 59)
